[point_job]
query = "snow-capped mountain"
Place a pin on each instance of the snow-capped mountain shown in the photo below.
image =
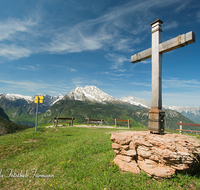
(14, 97)
(191, 112)
(17, 100)
(144, 103)
(136, 101)
(187, 109)
(90, 93)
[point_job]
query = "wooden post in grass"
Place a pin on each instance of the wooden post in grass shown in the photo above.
(56, 121)
(180, 128)
(38, 99)
(72, 121)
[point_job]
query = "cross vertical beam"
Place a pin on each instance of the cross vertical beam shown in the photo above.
(156, 101)
(156, 115)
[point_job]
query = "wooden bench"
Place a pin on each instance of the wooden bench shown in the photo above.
(187, 124)
(63, 120)
(125, 122)
(94, 121)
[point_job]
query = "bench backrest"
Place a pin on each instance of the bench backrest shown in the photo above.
(94, 119)
(62, 118)
(123, 120)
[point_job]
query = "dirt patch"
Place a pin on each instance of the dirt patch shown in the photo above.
(49, 126)
(30, 140)
(86, 126)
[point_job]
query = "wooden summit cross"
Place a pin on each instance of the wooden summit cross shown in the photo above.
(156, 114)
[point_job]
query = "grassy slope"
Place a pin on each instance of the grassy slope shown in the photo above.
(6, 126)
(81, 110)
(79, 158)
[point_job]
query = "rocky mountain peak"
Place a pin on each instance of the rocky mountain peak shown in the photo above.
(90, 93)
(136, 101)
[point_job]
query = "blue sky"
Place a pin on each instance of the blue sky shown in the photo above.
(53, 46)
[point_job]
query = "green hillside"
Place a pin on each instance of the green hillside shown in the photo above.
(81, 110)
(24, 115)
(3, 114)
(108, 112)
(6, 126)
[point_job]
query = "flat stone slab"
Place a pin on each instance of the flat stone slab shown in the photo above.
(156, 155)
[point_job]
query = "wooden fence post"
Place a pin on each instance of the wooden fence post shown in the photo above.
(180, 128)
(129, 123)
(115, 122)
(56, 121)
(72, 120)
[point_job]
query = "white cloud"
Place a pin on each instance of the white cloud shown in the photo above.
(96, 82)
(12, 52)
(147, 61)
(171, 25)
(54, 87)
(141, 84)
(116, 74)
(13, 37)
(12, 26)
(177, 83)
(28, 68)
(118, 61)
(104, 32)
(77, 40)
(77, 81)
(125, 44)
(183, 5)
(72, 70)
(30, 86)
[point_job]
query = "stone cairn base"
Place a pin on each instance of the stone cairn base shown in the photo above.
(156, 155)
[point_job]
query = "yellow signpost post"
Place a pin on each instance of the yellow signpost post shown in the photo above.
(38, 99)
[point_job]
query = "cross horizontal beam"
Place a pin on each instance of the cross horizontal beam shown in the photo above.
(177, 42)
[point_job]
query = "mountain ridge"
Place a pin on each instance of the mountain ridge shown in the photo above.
(90, 94)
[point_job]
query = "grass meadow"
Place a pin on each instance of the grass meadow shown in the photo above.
(72, 158)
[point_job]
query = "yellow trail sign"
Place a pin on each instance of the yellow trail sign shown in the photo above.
(38, 99)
